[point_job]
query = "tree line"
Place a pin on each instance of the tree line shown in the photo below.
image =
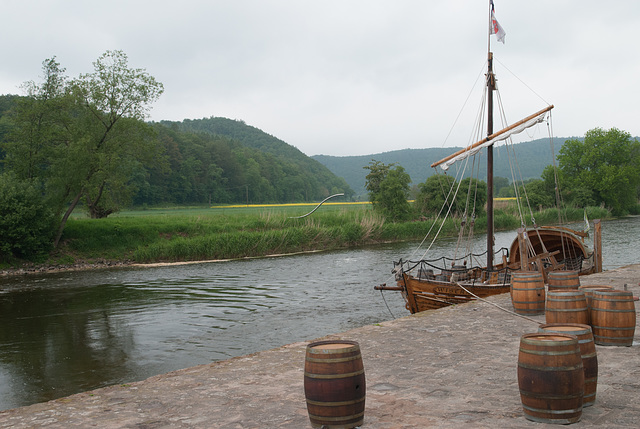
(601, 169)
(416, 162)
(232, 162)
(84, 142)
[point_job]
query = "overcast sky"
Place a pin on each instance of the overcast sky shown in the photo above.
(348, 77)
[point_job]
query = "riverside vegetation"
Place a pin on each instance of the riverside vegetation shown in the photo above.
(82, 144)
(195, 234)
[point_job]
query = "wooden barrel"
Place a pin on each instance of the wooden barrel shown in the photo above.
(446, 274)
(527, 292)
(588, 292)
(459, 273)
(426, 274)
(613, 317)
(566, 307)
(563, 280)
(587, 352)
(550, 378)
(334, 384)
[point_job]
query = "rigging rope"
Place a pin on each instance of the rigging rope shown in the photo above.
(451, 196)
(522, 82)
(385, 303)
(465, 103)
(497, 306)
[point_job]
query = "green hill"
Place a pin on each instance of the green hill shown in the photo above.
(313, 180)
(216, 161)
(532, 157)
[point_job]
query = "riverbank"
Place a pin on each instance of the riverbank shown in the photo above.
(27, 269)
(450, 368)
(186, 238)
(99, 265)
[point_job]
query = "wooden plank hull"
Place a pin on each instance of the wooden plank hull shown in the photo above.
(426, 294)
(573, 253)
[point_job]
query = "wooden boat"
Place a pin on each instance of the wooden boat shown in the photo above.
(431, 284)
(560, 248)
(426, 285)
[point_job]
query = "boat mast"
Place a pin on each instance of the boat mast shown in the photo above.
(491, 85)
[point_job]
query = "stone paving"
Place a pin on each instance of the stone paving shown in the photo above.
(450, 368)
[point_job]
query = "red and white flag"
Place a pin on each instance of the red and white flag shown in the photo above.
(495, 27)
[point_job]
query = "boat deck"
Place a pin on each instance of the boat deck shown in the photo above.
(450, 368)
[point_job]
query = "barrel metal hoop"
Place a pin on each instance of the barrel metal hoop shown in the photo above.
(612, 328)
(544, 420)
(332, 376)
(557, 412)
(547, 353)
(334, 360)
(336, 419)
(550, 368)
(612, 297)
(336, 404)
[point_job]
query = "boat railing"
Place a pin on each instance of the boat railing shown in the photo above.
(580, 263)
(453, 261)
(573, 264)
(450, 264)
(427, 270)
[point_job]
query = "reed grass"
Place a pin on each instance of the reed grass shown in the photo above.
(186, 235)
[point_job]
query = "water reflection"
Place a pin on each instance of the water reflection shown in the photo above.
(46, 333)
(70, 332)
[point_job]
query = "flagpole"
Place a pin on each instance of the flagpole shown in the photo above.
(489, 28)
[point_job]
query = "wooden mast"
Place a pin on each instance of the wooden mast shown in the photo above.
(491, 85)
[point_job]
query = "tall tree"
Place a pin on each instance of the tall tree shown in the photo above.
(608, 164)
(41, 117)
(85, 138)
(472, 196)
(377, 173)
(435, 192)
(110, 136)
(388, 187)
(394, 195)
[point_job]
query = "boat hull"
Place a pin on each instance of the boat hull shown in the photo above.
(427, 294)
(568, 246)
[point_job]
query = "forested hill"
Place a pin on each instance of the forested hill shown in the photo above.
(205, 161)
(532, 158)
(246, 134)
(313, 180)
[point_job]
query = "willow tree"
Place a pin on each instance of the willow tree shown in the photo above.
(111, 139)
(86, 137)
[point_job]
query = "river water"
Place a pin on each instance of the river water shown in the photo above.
(70, 332)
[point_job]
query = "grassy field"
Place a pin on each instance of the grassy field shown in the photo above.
(226, 232)
(176, 234)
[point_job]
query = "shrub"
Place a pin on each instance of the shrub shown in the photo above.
(27, 225)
